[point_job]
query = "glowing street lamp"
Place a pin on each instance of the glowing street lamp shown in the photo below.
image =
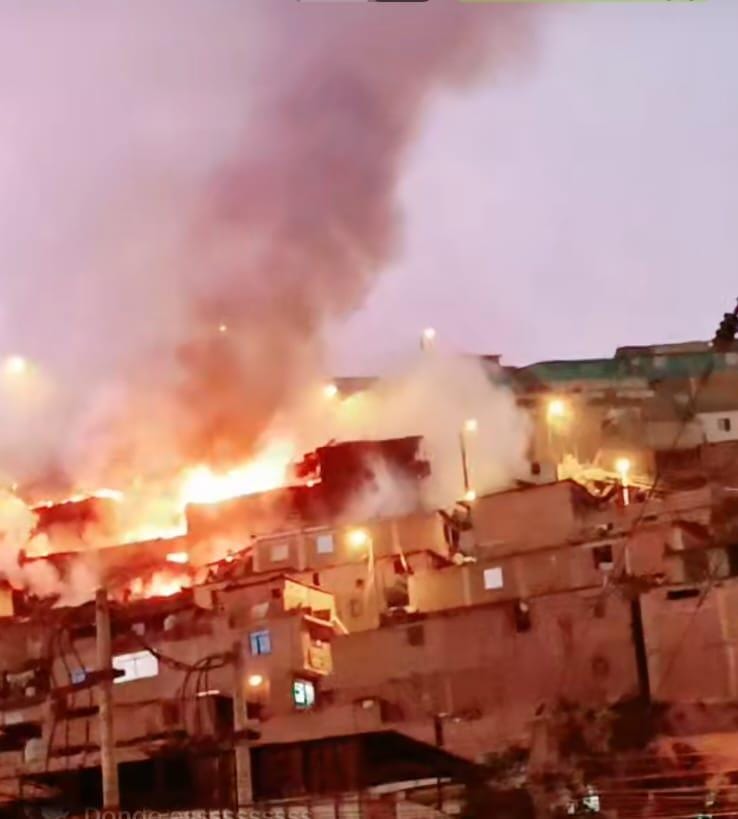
(15, 365)
(556, 410)
(623, 467)
(358, 538)
(255, 680)
(330, 391)
(362, 539)
(427, 338)
(223, 327)
(471, 425)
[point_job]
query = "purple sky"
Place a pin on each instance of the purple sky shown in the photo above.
(586, 202)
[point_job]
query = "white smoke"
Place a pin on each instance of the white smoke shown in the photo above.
(445, 399)
(40, 577)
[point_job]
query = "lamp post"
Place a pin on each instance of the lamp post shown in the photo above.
(471, 425)
(623, 467)
(362, 539)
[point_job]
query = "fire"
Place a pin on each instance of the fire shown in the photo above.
(154, 510)
(267, 470)
(159, 584)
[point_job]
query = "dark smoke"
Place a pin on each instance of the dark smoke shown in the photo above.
(201, 164)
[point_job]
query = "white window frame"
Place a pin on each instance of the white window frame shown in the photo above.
(279, 551)
(256, 642)
(324, 544)
(137, 665)
(493, 578)
(308, 687)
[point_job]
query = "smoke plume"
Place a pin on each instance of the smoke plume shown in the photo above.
(190, 191)
(453, 402)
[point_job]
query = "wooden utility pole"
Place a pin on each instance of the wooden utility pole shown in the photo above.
(242, 752)
(108, 762)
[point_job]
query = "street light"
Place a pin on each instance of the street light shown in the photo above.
(362, 539)
(471, 426)
(556, 410)
(15, 365)
(330, 391)
(427, 338)
(358, 538)
(623, 467)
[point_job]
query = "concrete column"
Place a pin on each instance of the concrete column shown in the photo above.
(108, 761)
(241, 750)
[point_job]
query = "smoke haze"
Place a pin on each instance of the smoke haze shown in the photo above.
(171, 167)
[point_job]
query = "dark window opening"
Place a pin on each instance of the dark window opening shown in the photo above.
(521, 613)
(725, 424)
(416, 636)
(170, 713)
(682, 594)
(602, 556)
(732, 555)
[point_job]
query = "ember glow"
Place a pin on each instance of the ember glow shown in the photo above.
(160, 584)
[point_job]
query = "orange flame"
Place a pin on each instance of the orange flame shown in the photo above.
(159, 584)
(267, 470)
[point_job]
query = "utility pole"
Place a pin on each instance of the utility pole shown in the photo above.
(108, 762)
(439, 737)
(242, 752)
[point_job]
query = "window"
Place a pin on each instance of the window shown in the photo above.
(521, 615)
(603, 557)
(493, 578)
(136, 666)
(303, 694)
(416, 636)
(279, 552)
(260, 642)
(77, 676)
(725, 424)
(682, 594)
(324, 544)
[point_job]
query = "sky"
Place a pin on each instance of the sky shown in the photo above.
(581, 202)
(166, 164)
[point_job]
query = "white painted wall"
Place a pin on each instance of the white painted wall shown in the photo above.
(714, 426)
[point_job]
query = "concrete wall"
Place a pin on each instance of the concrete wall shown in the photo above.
(692, 643)
(512, 577)
(360, 595)
(713, 426)
(526, 519)
(475, 664)
(316, 549)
